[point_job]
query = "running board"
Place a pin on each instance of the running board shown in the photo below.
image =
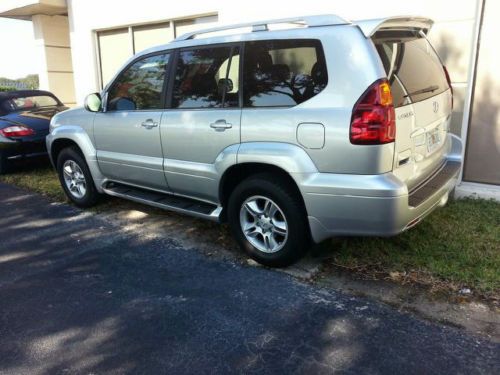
(165, 201)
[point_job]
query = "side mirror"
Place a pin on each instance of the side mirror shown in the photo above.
(93, 102)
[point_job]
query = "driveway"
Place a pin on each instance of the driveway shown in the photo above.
(80, 295)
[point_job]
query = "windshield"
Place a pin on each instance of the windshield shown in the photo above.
(413, 69)
(22, 103)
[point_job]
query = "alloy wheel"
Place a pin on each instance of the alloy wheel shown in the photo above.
(74, 179)
(263, 224)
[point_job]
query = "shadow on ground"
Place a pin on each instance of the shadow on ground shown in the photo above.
(80, 295)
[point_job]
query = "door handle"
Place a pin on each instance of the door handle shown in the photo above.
(221, 125)
(149, 124)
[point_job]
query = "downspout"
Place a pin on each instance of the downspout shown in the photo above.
(469, 96)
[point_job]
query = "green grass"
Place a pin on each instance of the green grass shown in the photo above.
(458, 245)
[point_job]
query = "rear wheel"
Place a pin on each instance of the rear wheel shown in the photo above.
(268, 220)
(75, 178)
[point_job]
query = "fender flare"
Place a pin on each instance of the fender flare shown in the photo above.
(81, 138)
(289, 157)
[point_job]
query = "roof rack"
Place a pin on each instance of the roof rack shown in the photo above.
(308, 21)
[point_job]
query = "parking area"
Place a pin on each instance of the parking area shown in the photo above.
(455, 248)
(80, 294)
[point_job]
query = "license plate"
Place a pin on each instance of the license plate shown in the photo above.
(433, 139)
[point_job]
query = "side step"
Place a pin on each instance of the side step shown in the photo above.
(165, 201)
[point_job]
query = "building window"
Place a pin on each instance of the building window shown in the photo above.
(118, 45)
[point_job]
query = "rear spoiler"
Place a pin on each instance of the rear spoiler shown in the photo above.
(370, 27)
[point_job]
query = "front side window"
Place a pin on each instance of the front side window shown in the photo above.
(207, 78)
(283, 73)
(140, 86)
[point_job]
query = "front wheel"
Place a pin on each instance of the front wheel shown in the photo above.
(268, 220)
(75, 178)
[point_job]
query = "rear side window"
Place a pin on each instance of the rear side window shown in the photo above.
(283, 73)
(207, 78)
(413, 69)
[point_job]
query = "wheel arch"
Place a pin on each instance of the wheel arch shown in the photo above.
(235, 174)
(283, 160)
(58, 145)
(68, 136)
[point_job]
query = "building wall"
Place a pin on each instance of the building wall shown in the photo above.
(55, 65)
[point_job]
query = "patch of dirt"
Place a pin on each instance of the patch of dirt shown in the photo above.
(436, 287)
(452, 308)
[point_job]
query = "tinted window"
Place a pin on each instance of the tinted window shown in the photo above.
(413, 69)
(283, 72)
(140, 86)
(207, 78)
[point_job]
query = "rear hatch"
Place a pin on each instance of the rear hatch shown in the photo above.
(422, 100)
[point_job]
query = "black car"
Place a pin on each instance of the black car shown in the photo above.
(24, 123)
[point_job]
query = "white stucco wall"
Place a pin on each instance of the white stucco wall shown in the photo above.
(54, 53)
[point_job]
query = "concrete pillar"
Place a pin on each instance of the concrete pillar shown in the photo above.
(53, 47)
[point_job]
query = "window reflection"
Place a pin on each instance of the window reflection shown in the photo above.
(207, 78)
(283, 73)
(140, 86)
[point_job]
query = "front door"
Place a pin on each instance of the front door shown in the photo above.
(127, 134)
(204, 119)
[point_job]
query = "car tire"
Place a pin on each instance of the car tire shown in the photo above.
(268, 220)
(75, 178)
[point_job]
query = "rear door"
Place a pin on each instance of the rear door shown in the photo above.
(204, 118)
(422, 101)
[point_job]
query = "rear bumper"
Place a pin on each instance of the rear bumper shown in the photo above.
(375, 205)
(12, 149)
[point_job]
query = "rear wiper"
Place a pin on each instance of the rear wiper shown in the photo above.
(422, 91)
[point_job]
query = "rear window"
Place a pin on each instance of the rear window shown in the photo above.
(283, 73)
(22, 103)
(413, 69)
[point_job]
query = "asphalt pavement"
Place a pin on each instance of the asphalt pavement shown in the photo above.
(80, 295)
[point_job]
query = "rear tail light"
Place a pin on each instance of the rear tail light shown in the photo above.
(373, 116)
(449, 83)
(16, 131)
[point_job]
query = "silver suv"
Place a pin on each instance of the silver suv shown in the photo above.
(290, 130)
